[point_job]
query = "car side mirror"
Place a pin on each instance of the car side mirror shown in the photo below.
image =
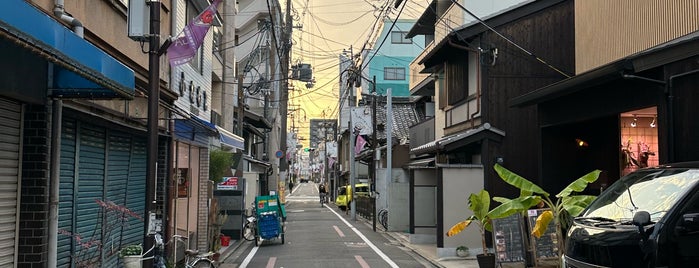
(640, 219)
(688, 224)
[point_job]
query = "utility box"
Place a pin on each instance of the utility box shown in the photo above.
(138, 20)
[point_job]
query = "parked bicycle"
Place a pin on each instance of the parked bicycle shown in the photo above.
(383, 218)
(192, 257)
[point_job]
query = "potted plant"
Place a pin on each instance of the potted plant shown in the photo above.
(565, 206)
(479, 204)
(462, 251)
(131, 256)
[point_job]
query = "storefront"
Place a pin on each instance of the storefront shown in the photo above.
(43, 64)
(628, 114)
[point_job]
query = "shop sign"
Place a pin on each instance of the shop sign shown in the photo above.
(228, 183)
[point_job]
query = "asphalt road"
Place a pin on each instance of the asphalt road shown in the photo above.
(324, 236)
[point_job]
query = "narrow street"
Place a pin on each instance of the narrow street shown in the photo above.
(323, 237)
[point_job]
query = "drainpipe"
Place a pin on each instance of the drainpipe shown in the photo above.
(59, 12)
(55, 171)
(670, 100)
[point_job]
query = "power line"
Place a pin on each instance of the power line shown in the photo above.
(508, 40)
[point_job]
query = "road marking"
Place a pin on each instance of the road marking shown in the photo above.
(339, 232)
(270, 263)
(248, 258)
(361, 261)
(376, 249)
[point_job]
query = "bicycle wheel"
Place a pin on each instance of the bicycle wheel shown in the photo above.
(249, 231)
(203, 263)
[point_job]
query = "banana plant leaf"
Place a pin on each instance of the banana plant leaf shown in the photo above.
(513, 206)
(542, 223)
(460, 226)
(501, 200)
(518, 181)
(577, 203)
(479, 203)
(580, 184)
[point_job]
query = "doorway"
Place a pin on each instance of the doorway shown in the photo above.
(639, 139)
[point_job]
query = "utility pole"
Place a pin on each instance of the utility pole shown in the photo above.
(152, 124)
(286, 46)
(350, 127)
(374, 146)
(241, 107)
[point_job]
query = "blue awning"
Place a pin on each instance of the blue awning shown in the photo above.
(81, 69)
(226, 137)
(230, 139)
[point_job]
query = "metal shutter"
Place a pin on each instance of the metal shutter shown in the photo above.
(90, 186)
(10, 124)
(110, 166)
(67, 191)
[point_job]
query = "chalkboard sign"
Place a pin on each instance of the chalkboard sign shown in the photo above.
(546, 246)
(509, 239)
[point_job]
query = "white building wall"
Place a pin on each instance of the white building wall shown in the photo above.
(202, 80)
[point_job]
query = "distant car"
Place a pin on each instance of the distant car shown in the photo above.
(303, 180)
(648, 218)
(344, 194)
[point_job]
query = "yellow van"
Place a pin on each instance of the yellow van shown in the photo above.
(344, 194)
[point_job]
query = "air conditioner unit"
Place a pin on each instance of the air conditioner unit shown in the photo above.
(138, 20)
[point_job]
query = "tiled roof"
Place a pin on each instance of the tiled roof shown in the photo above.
(404, 115)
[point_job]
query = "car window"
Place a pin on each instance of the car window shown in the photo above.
(652, 191)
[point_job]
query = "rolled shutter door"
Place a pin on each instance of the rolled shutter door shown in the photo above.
(10, 137)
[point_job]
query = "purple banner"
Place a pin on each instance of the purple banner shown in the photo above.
(185, 46)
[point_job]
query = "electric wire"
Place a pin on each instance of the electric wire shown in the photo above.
(508, 40)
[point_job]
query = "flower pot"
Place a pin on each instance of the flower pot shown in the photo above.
(225, 240)
(132, 261)
(486, 260)
(462, 252)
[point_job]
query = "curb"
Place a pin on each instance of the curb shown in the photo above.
(230, 250)
(417, 252)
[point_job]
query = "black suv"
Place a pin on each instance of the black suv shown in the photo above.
(648, 218)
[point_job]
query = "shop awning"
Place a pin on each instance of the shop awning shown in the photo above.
(229, 139)
(81, 69)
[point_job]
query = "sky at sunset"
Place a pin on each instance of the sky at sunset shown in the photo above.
(323, 29)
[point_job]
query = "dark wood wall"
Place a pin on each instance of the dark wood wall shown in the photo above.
(548, 34)
(685, 109)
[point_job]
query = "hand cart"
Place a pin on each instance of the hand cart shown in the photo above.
(271, 216)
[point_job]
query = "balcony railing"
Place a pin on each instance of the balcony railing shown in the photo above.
(422, 133)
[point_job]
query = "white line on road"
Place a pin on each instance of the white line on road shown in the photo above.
(339, 232)
(361, 261)
(270, 263)
(248, 258)
(371, 245)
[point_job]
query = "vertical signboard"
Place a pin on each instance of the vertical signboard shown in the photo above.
(545, 248)
(510, 247)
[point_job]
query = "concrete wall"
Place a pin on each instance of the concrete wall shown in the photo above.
(458, 184)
